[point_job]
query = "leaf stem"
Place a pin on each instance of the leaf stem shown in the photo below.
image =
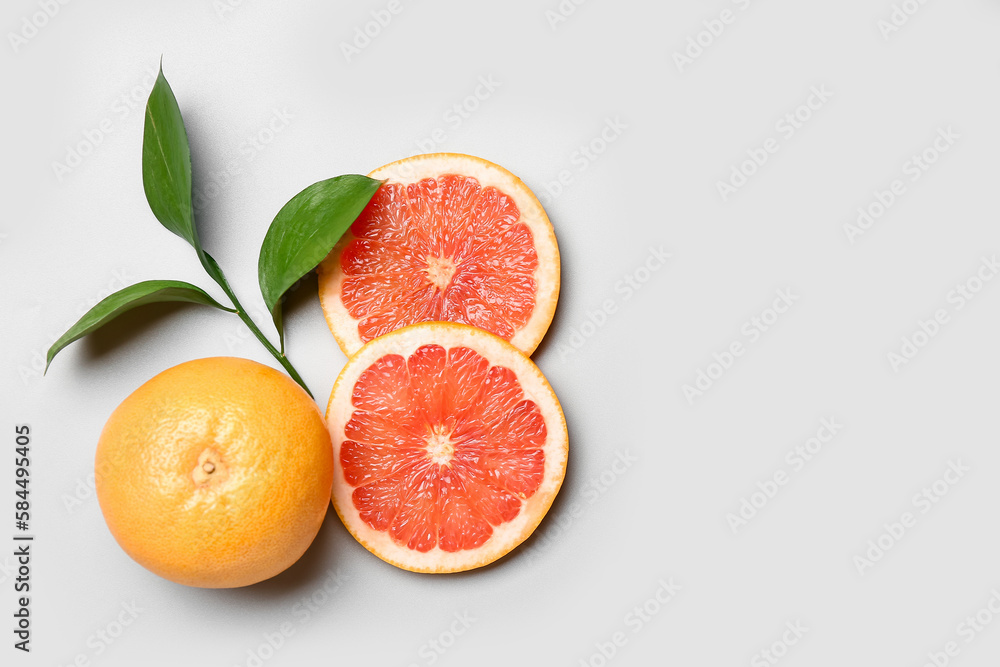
(282, 359)
(215, 271)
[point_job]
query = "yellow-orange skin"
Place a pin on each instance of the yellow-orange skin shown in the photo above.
(215, 473)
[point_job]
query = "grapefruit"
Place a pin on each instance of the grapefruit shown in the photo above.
(446, 237)
(449, 447)
(215, 473)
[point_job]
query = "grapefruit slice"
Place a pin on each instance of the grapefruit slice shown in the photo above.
(447, 237)
(449, 447)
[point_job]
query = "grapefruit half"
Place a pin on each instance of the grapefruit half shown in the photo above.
(449, 447)
(447, 237)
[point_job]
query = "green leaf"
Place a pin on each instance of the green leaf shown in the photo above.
(215, 272)
(166, 172)
(166, 163)
(150, 291)
(305, 231)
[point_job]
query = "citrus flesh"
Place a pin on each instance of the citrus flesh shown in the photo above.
(215, 473)
(449, 447)
(447, 237)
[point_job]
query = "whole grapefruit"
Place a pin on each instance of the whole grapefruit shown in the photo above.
(215, 473)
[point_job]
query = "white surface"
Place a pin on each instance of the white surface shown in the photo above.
(67, 242)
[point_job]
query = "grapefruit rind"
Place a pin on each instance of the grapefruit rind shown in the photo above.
(432, 165)
(535, 387)
(272, 461)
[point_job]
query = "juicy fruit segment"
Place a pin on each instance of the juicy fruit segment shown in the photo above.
(449, 447)
(443, 248)
(441, 448)
(447, 237)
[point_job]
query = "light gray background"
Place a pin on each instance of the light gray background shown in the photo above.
(66, 242)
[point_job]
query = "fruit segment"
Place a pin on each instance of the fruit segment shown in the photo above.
(446, 238)
(441, 447)
(441, 249)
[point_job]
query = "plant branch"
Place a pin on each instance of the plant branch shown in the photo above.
(215, 271)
